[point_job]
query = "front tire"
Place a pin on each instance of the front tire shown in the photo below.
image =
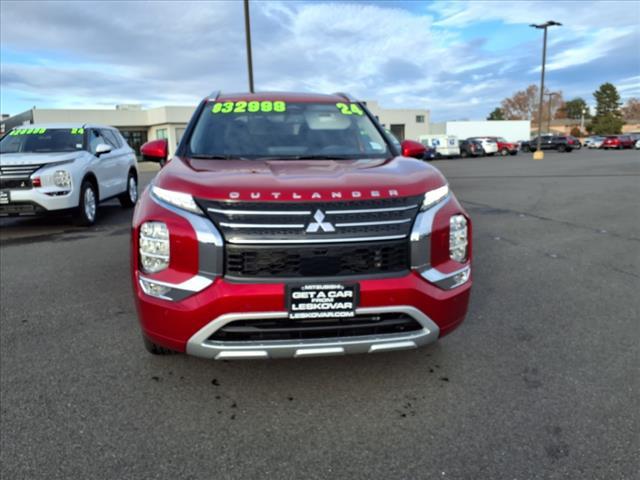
(504, 152)
(88, 207)
(129, 198)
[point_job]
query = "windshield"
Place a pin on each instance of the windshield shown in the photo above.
(285, 130)
(41, 140)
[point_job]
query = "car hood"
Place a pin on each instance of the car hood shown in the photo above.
(37, 158)
(299, 180)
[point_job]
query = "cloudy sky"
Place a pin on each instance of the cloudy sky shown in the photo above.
(458, 58)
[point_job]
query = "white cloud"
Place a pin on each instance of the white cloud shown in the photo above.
(168, 52)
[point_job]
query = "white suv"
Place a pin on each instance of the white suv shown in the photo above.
(65, 168)
(489, 145)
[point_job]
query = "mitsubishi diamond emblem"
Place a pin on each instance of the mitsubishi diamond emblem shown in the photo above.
(319, 224)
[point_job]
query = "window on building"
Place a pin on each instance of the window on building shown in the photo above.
(135, 139)
(419, 118)
(161, 133)
(398, 131)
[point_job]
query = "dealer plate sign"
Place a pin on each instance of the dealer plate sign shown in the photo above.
(333, 300)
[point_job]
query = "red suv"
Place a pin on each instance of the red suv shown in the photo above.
(291, 225)
(618, 141)
(505, 148)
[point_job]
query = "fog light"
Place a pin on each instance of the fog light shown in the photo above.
(154, 289)
(154, 246)
(460, 278)
(458, 238)
(62, 179)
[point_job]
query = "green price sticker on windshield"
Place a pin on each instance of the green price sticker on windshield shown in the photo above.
(254, 106)
(77, 131)
(28, 131)
(349, 109)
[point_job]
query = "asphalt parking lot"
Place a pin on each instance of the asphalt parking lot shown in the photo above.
(541, 381)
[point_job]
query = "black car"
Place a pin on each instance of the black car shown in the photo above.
(471, 148)
(548, 142)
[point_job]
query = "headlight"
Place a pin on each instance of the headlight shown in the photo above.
(177, 199)
(458, 238)
(435, 196)
(62, 179)
(154, 246)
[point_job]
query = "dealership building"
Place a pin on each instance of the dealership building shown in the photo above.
(140, 125)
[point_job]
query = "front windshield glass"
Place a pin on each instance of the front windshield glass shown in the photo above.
(42, 140)
(285, 130)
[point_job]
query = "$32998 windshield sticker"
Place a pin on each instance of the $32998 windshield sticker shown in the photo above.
(254, 106)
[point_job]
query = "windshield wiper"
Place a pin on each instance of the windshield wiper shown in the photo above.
(204, 156)
(319, 157)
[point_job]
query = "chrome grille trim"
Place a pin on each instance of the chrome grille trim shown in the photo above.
(262, 225)
(17, 171)
(370, 224)
(244, 241)
(257, 212)
(309, 222)
(371, 210)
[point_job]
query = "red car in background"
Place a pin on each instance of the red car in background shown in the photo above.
(505, 148)
(618, 141)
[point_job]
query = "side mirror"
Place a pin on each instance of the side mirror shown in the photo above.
(412, 149)
(102, 148)
(155, 151)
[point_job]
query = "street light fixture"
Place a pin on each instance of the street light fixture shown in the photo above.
(539, 155)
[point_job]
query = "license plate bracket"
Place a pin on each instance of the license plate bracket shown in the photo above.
(322, 300)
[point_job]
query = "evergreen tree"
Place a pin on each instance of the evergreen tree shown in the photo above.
(608, 119)
(497, 114)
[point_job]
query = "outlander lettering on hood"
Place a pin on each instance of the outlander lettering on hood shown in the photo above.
(296, 231)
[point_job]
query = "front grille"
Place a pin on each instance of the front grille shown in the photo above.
(371, 258)
(285, 329)
(12, 172)
(15, 184)
(312, 222)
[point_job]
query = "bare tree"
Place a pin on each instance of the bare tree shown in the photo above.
(631, 109)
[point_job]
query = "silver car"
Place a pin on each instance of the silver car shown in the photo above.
(66, 168)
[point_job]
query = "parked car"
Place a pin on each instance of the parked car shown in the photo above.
(429, 152)
(471, 148)
(574, 142)
(290, 225)
(506, 148)
(489, 144)
(65, 168)
(444, 145)
(618, 142)
(548, 142)
(637, 144)
(594, 141)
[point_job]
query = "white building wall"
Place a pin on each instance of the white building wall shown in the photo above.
(402, 116)
(511, 130)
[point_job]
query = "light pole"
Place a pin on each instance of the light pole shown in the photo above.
(247, 31)
(582, 114)
(539, 155)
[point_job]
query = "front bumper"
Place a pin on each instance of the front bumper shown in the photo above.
(187, 325)
(34, 201)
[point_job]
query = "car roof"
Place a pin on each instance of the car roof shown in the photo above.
(63, 125)
(285, 96)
